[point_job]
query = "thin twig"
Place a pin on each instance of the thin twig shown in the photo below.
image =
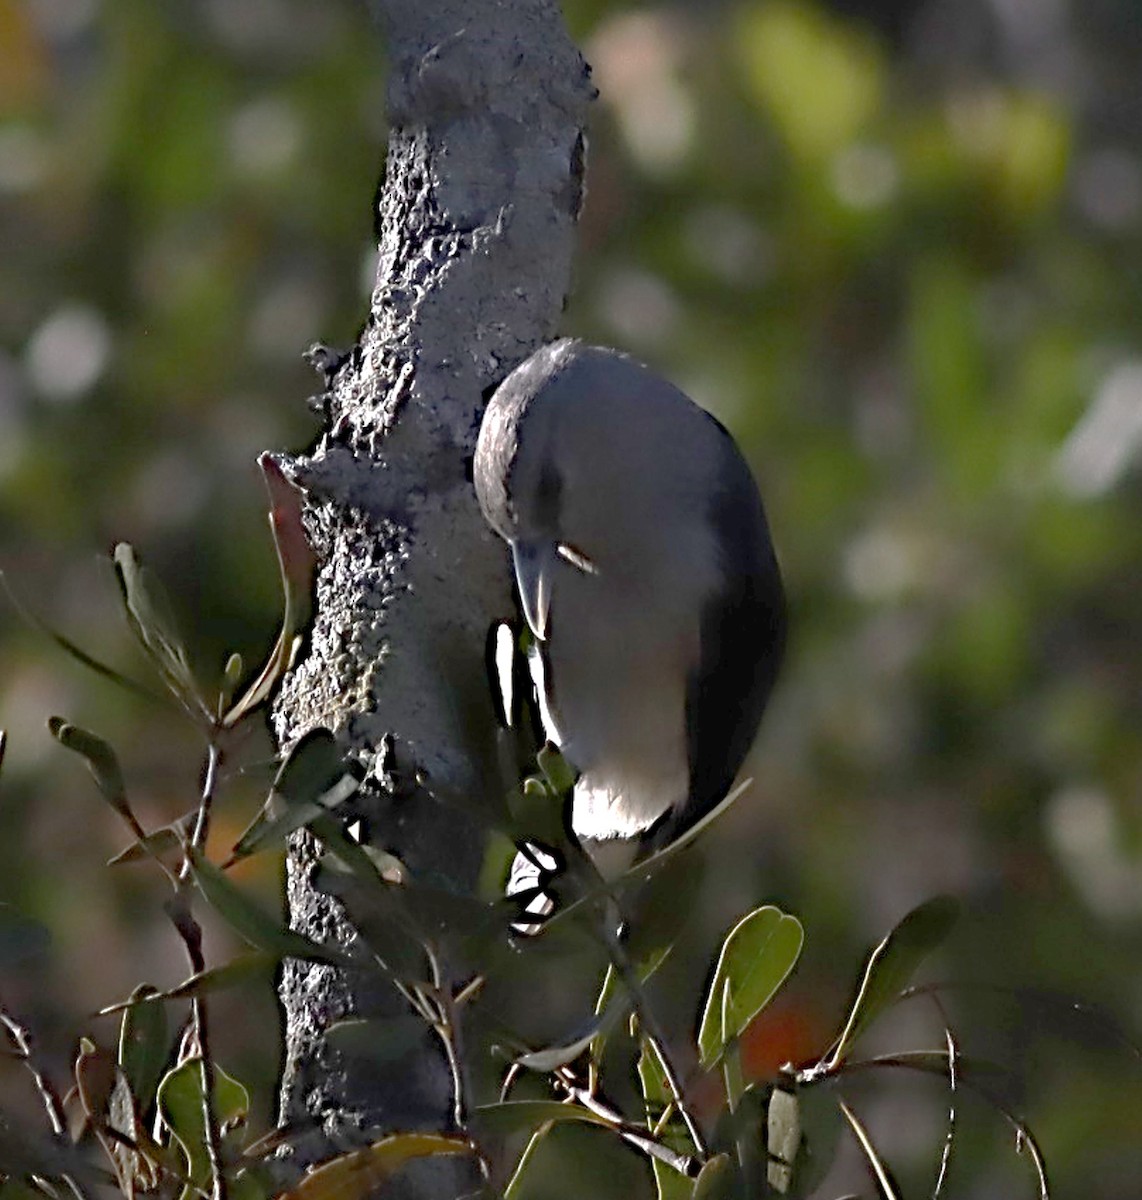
(447, 1026)
(23, 1042)
(953, 1084)
(685, 1164)
(648, 1023)
(178, 909)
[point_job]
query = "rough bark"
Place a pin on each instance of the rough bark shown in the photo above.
(487, 102)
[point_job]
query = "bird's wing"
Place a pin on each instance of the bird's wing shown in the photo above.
(742, 642)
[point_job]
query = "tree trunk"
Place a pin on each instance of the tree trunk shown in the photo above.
(483, 184)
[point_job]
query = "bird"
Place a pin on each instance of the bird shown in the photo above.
(648, 579)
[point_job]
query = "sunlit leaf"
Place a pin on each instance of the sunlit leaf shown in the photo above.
(645, 868)
(180, 1106)
(892, 964)
(101, 761)
(567, 1051)
(756, 958)
(94, 1079)
(519, 1173)
(556, 769)
(669, 1183)
(536, 813)
(357, 1175)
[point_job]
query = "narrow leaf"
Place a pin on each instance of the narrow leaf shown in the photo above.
(260, 928)
(669, 1184)
(154, 845)
(80, 655)
(102, 762)
(643, 869)
(151, 619)
(357, 1175)
(242, 970)
(756, 959)
(295, 565)
(522, 1116)
(144, 1045)
(313, 779)
(892, 964)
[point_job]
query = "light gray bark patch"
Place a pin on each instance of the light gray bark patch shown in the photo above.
(475, 220)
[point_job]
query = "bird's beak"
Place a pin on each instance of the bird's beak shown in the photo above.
(533, 569)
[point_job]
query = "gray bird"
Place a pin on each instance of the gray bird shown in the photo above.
(647, 575)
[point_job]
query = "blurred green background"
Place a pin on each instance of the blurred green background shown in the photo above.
(896, 245)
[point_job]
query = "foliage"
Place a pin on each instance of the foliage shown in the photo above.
(172, 1122)
(894, 246)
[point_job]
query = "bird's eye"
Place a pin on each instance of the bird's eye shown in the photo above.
(576, 558)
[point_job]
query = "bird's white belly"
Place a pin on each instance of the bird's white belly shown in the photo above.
(613, 698)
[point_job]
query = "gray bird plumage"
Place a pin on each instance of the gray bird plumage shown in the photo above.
(646, 573)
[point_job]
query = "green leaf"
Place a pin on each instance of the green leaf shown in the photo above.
(522, 1116)
(892, 964)
(659, 911)
(102, 762)
(151, 619)
(157, 843)
(313, 779)
(81, 656)
(669, 1183)
(644, 869)
(880, 1171)
(245, 969)
(519, 1172)
(375, 907)
(558, 772)
(717, 1180)
(180, 1109)
(756, 958)
(560, 1054)
(362, 1173)
(260, 928)
(144, 1045)
(536, 814)
(379, 1040)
